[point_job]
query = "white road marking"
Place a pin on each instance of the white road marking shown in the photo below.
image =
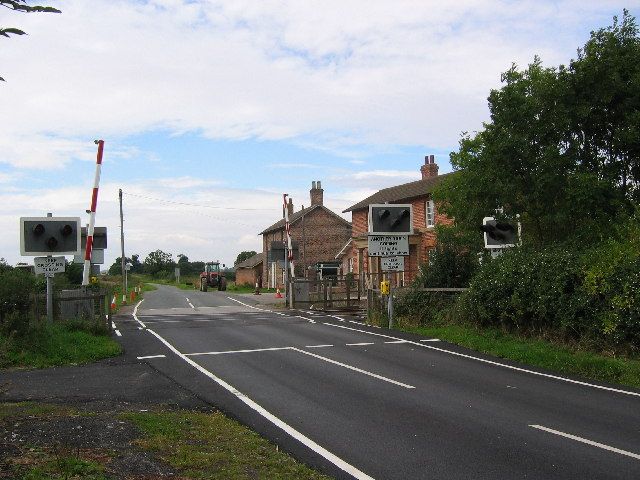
(310, 320)
(273, 349)
(118, 332)
(491, 362)
(113, 325)
(190, 304)
(360, 343)
(337, 461)
(430, 340)
(397, 341)
(588, 442)
(256, 308)
(355, 369)
(152, 356)
(135, 314)
(317, 346)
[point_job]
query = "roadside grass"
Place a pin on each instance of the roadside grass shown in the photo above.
(534, 351)
(212, 446)
(58, 344)
(244, 288)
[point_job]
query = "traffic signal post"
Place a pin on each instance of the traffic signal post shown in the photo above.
(42, 237)
(389, 228)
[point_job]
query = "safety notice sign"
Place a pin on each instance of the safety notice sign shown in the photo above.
(388, 245)
(49, 265)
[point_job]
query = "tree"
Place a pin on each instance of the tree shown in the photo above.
(242, 256)
(134, 261)
(158, 263)
(21, 6)
(566, 168)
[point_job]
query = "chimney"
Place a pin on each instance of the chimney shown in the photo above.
(290, 207)
(316, 193)
(430, 167)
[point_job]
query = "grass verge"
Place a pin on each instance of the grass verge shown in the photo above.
(195, 445)
(57, 344)
(536, 352)
(212, 446)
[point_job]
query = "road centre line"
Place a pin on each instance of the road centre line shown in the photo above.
(397, 341)
(355, 369)
(152, 356)
(358, 344)
(587, 441)
(334, 459)
(491, 362)
(317, 346)
(430, 340)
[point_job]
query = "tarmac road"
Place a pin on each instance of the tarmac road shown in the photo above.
(361, 402)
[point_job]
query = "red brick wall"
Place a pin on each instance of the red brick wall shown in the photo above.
(248, 275)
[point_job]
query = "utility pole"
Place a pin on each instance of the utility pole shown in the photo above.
(49, 291)
(122, 258)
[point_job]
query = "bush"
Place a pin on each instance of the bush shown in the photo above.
(16, 290)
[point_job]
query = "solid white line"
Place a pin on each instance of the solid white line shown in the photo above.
(238, 351)
(361, 343)
(135, 314)
(117, 332)
(588, 442)
(355, 369)
(256, 308)
(337, 461)
(152, 356)
(490, 362)
(317, 346)
(430, 340)
(397, 341)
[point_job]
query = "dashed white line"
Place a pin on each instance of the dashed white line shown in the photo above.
(317, 346)
(337, 461)
(190, 304)
(152, 356)
(358, 344)
(587, 441)
(430, 340)
(397, 341)
(117, 332)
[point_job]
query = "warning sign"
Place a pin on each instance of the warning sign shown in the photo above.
(392, 264)
(49, 265)
(388, 245)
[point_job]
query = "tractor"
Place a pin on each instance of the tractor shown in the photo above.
(212, 277)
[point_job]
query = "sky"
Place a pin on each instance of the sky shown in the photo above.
(211, 110)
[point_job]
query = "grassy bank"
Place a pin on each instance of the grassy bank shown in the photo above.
(57, 344)
(194, 444)
(536, 352)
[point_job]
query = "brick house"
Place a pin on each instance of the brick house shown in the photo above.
(250, 271)
(354, 255)
(317, 231)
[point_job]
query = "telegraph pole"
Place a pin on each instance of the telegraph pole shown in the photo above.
(122, 259)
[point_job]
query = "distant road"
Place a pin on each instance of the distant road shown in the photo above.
(361, 402)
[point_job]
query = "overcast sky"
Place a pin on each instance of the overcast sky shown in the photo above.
(211, 110)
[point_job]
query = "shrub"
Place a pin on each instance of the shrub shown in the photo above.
(16, 289)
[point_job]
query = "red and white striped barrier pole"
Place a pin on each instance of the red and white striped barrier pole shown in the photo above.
(287, 227)
(92, 215)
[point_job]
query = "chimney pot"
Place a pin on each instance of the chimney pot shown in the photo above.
(316, 193)
(318, 184)
(430, 167)
(313, 184)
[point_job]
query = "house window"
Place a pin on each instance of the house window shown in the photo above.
(430, 214)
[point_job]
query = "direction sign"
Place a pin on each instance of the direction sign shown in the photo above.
(49, 265)
(388, 245)
(392, 264)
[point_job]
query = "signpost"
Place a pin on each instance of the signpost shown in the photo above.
(392, 264)
(388, 245)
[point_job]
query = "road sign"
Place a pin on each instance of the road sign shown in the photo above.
(388, 245)
(500, 234)
(390, 219)
(392, 264)
(49, 265)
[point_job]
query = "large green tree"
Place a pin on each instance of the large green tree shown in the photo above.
(21, 6)
(158, 263)
(561, 147)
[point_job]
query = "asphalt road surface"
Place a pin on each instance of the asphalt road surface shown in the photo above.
(361, 402)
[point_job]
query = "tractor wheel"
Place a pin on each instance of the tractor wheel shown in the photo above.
(222, 284)
(203, 284)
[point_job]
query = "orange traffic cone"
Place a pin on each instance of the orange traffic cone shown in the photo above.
(278, 294)
(113, 303)
(133, 296)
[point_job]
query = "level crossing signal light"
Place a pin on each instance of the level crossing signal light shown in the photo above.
(390, 219)
(49, 235)
(499, 234)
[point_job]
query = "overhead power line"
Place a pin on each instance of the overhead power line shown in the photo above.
(161, 200)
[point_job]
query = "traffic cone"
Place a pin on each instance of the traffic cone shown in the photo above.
(113, 303)
(278, 294)
(133, 296)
